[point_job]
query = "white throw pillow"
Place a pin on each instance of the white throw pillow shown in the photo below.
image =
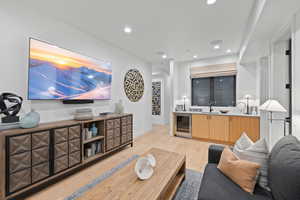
(257, 152)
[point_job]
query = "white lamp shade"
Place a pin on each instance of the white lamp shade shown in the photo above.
(272, 106)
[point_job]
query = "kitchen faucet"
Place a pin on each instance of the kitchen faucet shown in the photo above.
(211, 103)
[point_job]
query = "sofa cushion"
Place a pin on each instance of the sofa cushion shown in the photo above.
(257, 152)
(242, 172)
(216, 186)
(284, 169)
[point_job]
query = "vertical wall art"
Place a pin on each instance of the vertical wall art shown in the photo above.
(134, 85)
(156, 98)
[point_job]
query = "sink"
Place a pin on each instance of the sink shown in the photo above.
(211, 113)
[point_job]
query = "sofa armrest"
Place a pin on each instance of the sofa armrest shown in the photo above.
(214, 153)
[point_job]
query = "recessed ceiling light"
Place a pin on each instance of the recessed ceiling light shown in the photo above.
(164, 56)
(210, 2)
(195, 56)
(217, 46)
(228, 51)
(127, 30)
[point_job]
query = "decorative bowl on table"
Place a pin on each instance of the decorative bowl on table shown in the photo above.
(144, 167)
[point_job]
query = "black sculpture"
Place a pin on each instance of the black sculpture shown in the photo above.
(11, 111)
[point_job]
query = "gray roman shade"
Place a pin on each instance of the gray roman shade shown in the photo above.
(228, 69)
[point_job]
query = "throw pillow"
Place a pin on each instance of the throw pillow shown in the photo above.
(242, 172)
(257, 152)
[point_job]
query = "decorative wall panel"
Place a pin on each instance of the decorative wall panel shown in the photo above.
(156, 98)
(134, 85)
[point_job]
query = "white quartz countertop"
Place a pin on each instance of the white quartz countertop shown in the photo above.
(216, 113)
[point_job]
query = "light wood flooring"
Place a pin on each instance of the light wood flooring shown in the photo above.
(195, 151)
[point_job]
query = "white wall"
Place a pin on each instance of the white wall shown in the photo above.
(164, 118)
(18, 24)
(296, 76)
(247, 80)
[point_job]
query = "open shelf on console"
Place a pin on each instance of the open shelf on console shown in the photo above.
(93, 139)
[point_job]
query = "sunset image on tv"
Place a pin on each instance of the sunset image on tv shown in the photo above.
(56, 73)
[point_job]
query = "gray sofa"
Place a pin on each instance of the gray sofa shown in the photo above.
(284, 175)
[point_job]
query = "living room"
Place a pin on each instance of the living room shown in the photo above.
(150, 100)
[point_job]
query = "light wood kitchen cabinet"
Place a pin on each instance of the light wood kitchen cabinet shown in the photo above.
(224, 129)
(200, 126)
(219, 128)
(249, 125)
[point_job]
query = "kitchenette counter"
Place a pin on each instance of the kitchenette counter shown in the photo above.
(215, 126)
(216, 113)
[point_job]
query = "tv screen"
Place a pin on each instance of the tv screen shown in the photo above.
(56, 73)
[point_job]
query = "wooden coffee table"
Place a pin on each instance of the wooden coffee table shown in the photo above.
(124, 184)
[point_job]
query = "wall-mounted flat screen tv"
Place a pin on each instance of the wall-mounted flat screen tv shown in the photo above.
(56, 73)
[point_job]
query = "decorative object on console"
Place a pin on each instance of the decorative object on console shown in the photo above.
(156, 97)
(83, 114)
(105, 113)
(119, 108)
(13, 109)
(30, 120)
(94, 130)
(134, 85)
(271, 106)
(144, 167)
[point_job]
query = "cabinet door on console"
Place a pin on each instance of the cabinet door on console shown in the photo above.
(249, 125)
(219, 128)
(200, 126)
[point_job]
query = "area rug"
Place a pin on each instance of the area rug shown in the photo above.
(187, 191)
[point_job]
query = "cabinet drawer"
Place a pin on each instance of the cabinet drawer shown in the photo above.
(110, 134)
(19, 144)
(60, 164)
(74, 145)
(40, 139)
(124, 139)
(40, 155)
(60, 149)
(19, 162)
(19, 180)
(129, 137)
(109, 144)
(74, 132)
(124, 129)
(60, 135)
(124, 120)
(74, 159)
(117, 141)
(117, 132)
(117, 123)
(40, 172)
(129, 120)
(129, 129)
(110, 124)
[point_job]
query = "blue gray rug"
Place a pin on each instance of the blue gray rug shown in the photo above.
(187, 191)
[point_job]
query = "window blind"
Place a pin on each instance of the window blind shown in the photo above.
(228, 69)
